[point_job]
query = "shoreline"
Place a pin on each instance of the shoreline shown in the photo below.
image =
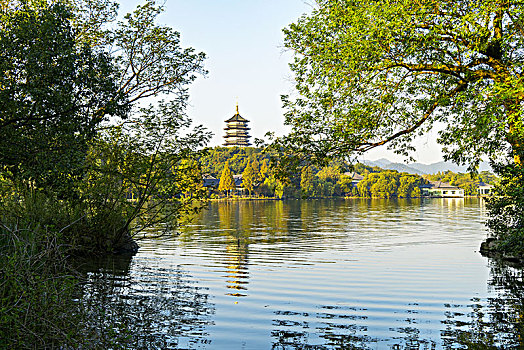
(489, 248)
(225, 199)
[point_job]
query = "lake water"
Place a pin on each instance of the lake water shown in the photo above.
(315, 274)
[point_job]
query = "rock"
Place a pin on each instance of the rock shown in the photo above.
(489, 248)
(489, 245)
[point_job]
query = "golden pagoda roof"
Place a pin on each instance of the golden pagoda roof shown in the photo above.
(237, 118)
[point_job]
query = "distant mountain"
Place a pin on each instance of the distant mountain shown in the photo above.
(400, 167)
(422, 169)
(445, 166)
(382, 162)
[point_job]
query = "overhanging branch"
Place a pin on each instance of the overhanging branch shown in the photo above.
(366, 147)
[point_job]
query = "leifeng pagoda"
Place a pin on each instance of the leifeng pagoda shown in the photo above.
(236, 131)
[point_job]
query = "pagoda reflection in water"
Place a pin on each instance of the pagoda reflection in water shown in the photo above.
(237, 131)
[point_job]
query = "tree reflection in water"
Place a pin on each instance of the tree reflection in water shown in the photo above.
(340, 329)
(334, 329)
(500, 323)
(151, 308)
(495, 324)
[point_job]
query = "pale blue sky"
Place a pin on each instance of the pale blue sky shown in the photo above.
(246, 61)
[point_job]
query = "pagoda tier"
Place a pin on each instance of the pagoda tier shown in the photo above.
(237, 143)
(236, 131)
(243, 127)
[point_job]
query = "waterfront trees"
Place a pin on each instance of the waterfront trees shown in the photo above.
(390, 184)
(332, 180)
(255, 164)
(406, 186)
(84, 162)
(506, 210)
(61, 81)
(139, 174)
(307, 184)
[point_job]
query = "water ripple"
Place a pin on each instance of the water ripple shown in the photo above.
(354, 274)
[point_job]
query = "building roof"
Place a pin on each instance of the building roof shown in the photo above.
(238, 180)
(237, 127)
(236, 118)
(210, 181)
(442, 185)
(237, 143)
(354, 176)
(237, 135)
(484, 185)
(236, 131)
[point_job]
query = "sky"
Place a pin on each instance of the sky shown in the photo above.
(248, 64)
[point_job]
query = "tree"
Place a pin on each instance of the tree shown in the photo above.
(248, 178)
(307, 184)
(364, 185)
(264, 170)
(407, 185)
(255, 165)
(506, 210)
(146, 159)
(345, 184)
(372, 73)
(67, 169)
(65, 69)
(384, 185)
(329, 173)
(227, 183)
(54, 93)
(150, 58)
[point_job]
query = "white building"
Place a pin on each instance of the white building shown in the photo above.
(441, 189)
(484, 189)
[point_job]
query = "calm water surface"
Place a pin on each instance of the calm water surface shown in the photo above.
(319, 274)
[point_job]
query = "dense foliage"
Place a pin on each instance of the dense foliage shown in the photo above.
(54, 93)
(332, 180)
(506, 210)
(370, 73)
(390, 184)
(310, 182)
(73, 125)
(214, 159)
